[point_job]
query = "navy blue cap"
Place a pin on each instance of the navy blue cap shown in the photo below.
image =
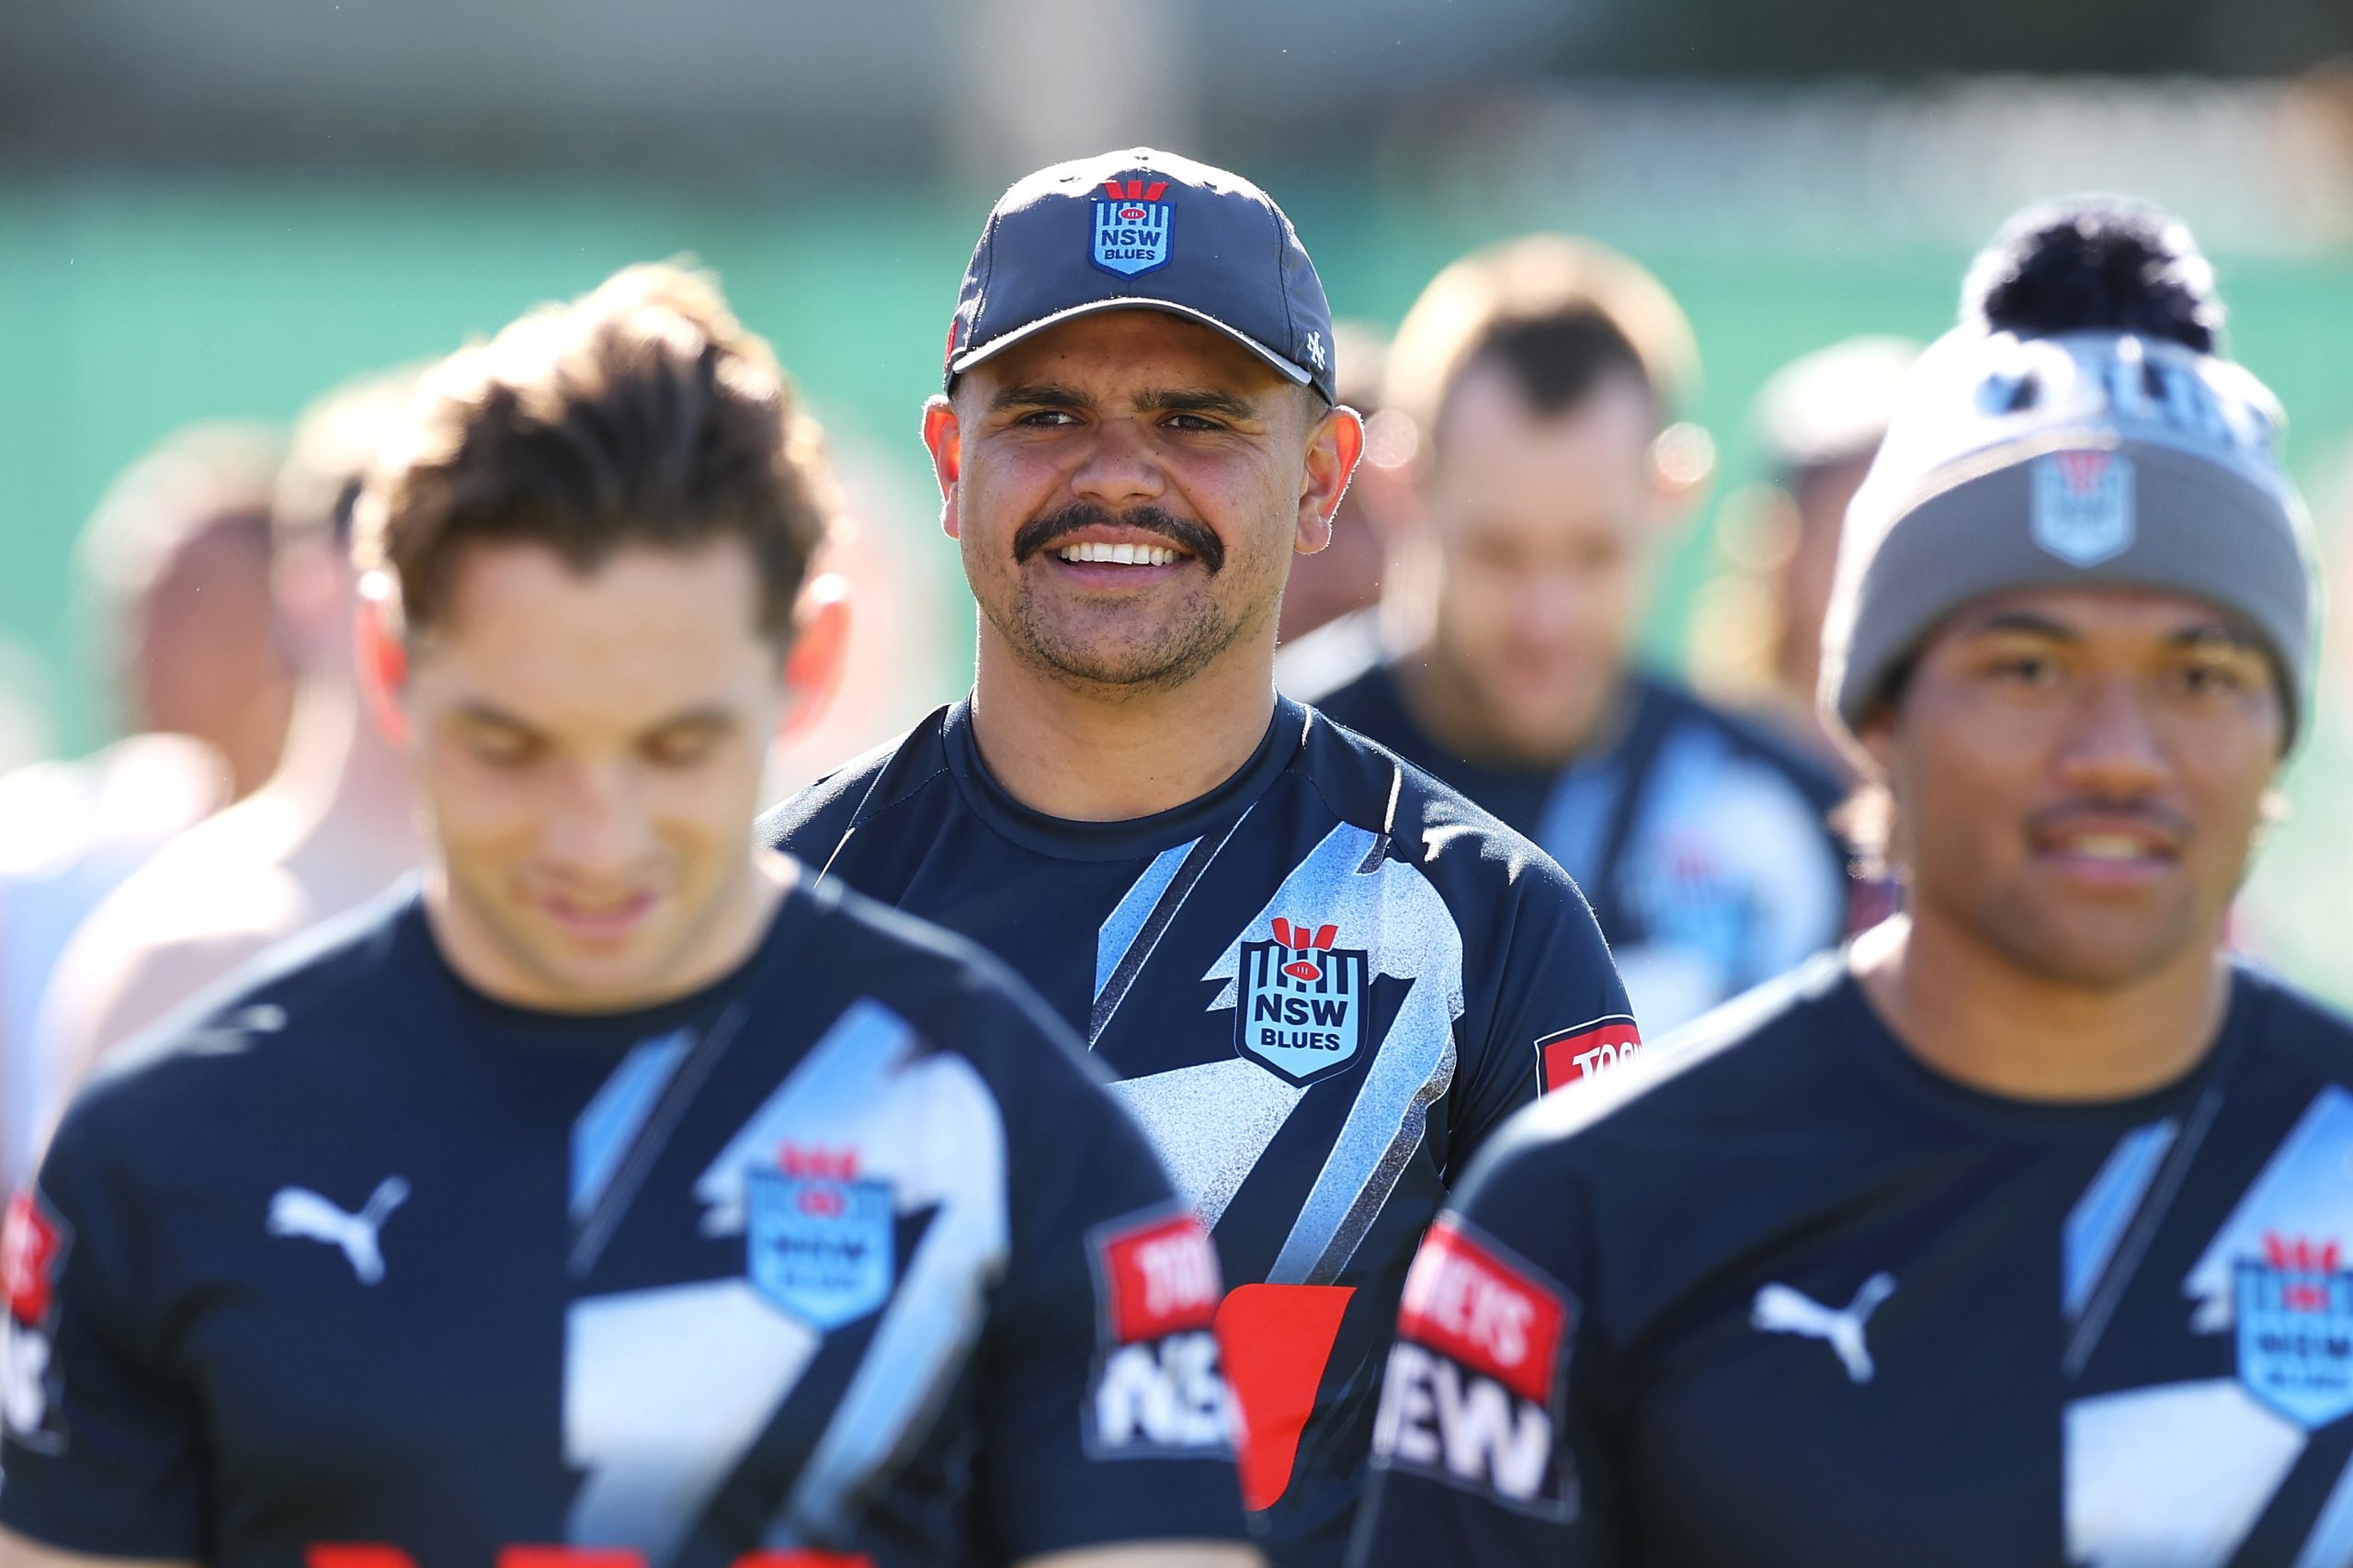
(1141, 230)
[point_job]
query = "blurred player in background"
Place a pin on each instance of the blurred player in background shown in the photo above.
(1542, 377)
(177, 558)
(905, 650)
(1757, 630)
(1345, 575)
(1320, 979)
(2018, 1235)
(334, 825)
(620, 1189)
(175, 563)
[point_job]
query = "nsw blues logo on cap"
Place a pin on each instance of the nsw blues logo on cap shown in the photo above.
(2083, 505)
(1132, 224)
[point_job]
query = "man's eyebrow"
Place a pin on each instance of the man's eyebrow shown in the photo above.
(1162, 400)
(714, 716)
(1038, 394)
(2023, 622)
(475, 711)
(2216, 633)
(1177, 401)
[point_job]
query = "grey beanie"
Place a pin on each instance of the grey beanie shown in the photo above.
(2095, 457)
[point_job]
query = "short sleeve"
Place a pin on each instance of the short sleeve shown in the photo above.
(101, 1452)
(1555, 1009)
(1106, 1414)
(1488, 1447)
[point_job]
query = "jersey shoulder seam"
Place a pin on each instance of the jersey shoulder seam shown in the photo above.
(915, 787)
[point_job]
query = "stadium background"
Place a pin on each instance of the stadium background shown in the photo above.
(221, 209)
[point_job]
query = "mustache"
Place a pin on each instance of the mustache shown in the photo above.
(1042, 531)
(2067, 813)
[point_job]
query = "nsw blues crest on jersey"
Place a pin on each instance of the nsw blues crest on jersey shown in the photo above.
(1303, 1002)
(2295, 1329)
(1131, 225)
(823, 1243)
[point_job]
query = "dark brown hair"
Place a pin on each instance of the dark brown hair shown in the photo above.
(639, 415)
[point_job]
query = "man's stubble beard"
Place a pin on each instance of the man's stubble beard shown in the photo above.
(2043, 944)
(1171, 658)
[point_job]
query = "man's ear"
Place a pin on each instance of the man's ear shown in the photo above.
(1333, 448)
(382, 657)
(943, 439)
(1683, 471)
(819, 651)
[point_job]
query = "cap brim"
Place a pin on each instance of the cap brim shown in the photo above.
(962, 362)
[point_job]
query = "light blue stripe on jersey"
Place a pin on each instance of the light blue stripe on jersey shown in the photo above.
(1119, 933)
(1576, 818)
(1414, 938)
(605, 1128)
(2097, 1222)
(2331, 1543)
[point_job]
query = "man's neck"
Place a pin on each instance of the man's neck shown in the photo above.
(1110, 756)
(1446, 707)
(1971, 1013)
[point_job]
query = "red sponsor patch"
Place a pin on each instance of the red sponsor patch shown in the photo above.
(1158, 1278)
(1585, 1050)
(1466, 1304)
(32, 1246)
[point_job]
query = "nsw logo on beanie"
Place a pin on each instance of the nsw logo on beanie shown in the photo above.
(2082, 510)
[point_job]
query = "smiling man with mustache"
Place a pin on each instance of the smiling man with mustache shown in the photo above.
(1321, 977)
(2017, 1233)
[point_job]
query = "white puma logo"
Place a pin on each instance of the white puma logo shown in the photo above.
(299, 1211)
(1780, 1309)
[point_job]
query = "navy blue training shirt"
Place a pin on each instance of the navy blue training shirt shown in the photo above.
(847, 1258)
(1703, 841)
(1780, 1295)
(1321, 986)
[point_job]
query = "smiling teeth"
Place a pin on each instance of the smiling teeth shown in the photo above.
(1117, 554)
(2106, 846)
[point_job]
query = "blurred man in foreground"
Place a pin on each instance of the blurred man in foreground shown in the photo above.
(618, 1189)
(1320, 979)
(1543, 376)
(2016, 1233)
(332, 827)
(1756, 631)
(175, 561)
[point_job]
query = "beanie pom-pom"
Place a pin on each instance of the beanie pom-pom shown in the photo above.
(2095, 264)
